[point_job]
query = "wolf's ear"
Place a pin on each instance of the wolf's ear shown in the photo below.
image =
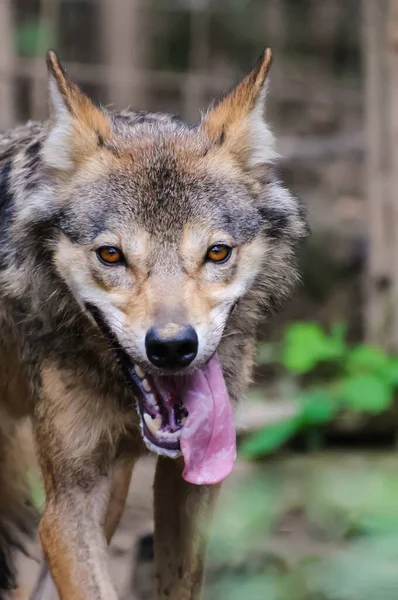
(78, 128)
(237, 120)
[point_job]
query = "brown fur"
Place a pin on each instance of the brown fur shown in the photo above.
(164, 193)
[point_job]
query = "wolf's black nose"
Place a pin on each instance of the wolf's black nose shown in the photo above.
(171, 347)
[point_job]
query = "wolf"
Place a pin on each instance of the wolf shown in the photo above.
(138, 254)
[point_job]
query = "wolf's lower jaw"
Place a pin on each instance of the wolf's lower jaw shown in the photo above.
(156, 449)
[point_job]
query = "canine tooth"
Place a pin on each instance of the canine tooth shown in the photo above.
(146, 385)
(152, 424)
(151, 399)
(139, 371)
(184, 420)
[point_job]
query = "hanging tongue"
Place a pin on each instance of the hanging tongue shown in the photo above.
(208, 441)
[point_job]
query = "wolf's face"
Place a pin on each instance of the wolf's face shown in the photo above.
(164, 229)
(165, 245)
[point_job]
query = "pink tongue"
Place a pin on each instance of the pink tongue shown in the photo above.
(208, 440)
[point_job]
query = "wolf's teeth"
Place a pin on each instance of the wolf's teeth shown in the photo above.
(152, 424)
(146, 385)
(170, 434)
(184, 420)
(139, 371)
(151, 399)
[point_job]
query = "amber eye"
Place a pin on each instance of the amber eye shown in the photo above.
(219, 253)
(110, 255)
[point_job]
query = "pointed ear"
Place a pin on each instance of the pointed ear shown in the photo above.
(237, 121)
(77, 127)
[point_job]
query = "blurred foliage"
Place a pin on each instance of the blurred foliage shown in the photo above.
(318, 527)
(359, 378)
(332, 518)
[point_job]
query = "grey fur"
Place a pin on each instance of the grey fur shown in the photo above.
(41, 320)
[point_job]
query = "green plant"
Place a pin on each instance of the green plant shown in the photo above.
(307, 527)
(361, 379)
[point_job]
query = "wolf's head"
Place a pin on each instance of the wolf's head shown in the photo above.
(164, 230)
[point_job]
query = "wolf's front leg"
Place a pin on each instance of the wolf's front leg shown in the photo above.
(182, 516)
(121, 475)
(76, 453)
(75, 547)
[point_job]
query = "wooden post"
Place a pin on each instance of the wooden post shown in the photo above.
(381, 62)
(126, 42)
(48, 17)
(379, 307)
(392, 106)
(7, 112)
(194, 92)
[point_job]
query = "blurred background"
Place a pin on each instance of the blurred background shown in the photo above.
(311, 511)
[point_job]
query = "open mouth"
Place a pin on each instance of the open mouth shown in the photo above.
(189, 414)
(161, 409)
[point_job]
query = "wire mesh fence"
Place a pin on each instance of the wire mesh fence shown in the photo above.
(171, 55)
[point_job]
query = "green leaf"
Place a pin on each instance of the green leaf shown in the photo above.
(303, 344)
(367, 393)
(306, 344)
(338, 331)
(368, 359)
(392, 371)
(318, 407)
(270, 438)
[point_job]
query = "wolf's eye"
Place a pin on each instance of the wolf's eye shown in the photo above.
(110, 255)
(219, 253)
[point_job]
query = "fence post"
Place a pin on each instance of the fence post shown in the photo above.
(392, 47)
(48, 18)
(379, 308)
(7, 112)
(126, 41)
(194, 87)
